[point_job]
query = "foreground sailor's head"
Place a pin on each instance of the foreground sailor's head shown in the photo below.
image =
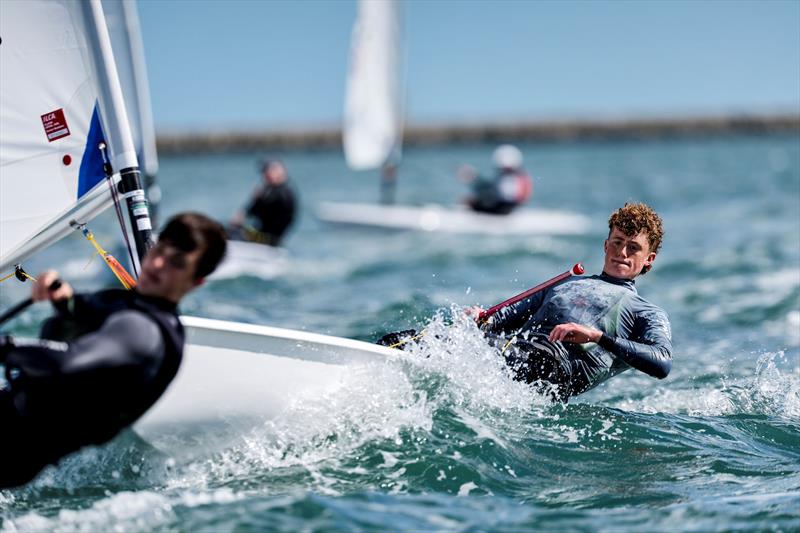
(189, 248)
(634, 238)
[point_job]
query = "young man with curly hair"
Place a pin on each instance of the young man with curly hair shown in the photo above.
(582, 331)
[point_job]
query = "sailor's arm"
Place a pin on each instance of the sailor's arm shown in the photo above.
(511, 318)
(75, 313)
(649, 350)
(128, 339)
(41, 289)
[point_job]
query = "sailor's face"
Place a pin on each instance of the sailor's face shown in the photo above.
(168, 272)
(627, 255)
(275, 173)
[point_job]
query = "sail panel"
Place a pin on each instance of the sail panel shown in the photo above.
(49, 122)
(62, 103)
(373, 102)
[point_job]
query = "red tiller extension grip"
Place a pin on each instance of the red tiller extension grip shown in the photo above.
(576, 270)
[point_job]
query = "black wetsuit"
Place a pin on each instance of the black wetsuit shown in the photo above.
(104, 359)
(272, 209)
(499, 195)
(636, 334)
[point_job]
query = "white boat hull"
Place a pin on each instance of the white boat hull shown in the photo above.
(237, 376)
(437, 218)
(252, 259)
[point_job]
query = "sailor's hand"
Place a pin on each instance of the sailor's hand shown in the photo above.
(45, 289)
(474, 311)
(577, 333)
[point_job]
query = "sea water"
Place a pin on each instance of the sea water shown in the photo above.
(442, 438)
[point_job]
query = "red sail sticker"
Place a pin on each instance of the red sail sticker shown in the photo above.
(55, 125)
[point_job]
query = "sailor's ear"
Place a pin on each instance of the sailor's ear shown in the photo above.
(198, 282)
(650, 258)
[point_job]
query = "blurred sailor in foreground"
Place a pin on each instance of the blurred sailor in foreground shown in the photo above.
(105, 358)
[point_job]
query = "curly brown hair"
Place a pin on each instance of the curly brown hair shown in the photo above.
(631, 219)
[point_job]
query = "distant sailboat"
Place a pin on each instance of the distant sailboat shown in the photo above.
(61, 102)
(373, 115)
(372, 137)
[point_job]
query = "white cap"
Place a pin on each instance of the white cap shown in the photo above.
(507, 156)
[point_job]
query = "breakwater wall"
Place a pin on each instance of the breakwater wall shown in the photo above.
(533, 131)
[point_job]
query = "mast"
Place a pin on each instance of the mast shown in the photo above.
(124, 30)
(115, 119)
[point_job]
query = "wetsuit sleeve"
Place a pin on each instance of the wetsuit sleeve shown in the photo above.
(650, 348)
(74, 317)
(128, 340)
(251, 207)
(512, 318)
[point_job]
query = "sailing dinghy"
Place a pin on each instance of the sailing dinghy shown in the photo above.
(460, 219)
(372, 138)
(60, 103)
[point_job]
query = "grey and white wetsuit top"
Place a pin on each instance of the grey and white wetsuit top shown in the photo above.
(636, 333)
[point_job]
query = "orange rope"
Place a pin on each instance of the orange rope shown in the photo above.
(119, 271)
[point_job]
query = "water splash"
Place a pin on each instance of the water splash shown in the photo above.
(770, 392)
(772, 389)
(124, 511)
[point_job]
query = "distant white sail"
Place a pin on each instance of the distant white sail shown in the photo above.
(59, 99)
(373, 117)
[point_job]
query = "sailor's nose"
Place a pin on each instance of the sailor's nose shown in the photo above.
(158, 262)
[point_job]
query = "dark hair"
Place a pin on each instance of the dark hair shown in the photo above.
(190, 231)
(632, 219)
(264, 164)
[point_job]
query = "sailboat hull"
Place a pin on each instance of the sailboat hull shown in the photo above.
(252, 259)
(437, 218)
(235, 377)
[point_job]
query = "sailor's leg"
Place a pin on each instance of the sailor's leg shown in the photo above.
(17, 462)
(539, 361)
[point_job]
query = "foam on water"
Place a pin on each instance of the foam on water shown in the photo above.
(121, 512)
(773, 389)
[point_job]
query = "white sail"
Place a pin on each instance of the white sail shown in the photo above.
(126, 41)
(373, 116)
(59, 100)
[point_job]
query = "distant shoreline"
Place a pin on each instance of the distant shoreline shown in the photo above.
(530, 131)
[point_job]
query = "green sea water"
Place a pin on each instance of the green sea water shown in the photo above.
(442, 439)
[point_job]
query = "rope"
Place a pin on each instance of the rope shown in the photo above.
(20, 274)
(416, 337)
(117, 209)
(119, 271)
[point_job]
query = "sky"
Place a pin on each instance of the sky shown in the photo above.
(272, 65)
